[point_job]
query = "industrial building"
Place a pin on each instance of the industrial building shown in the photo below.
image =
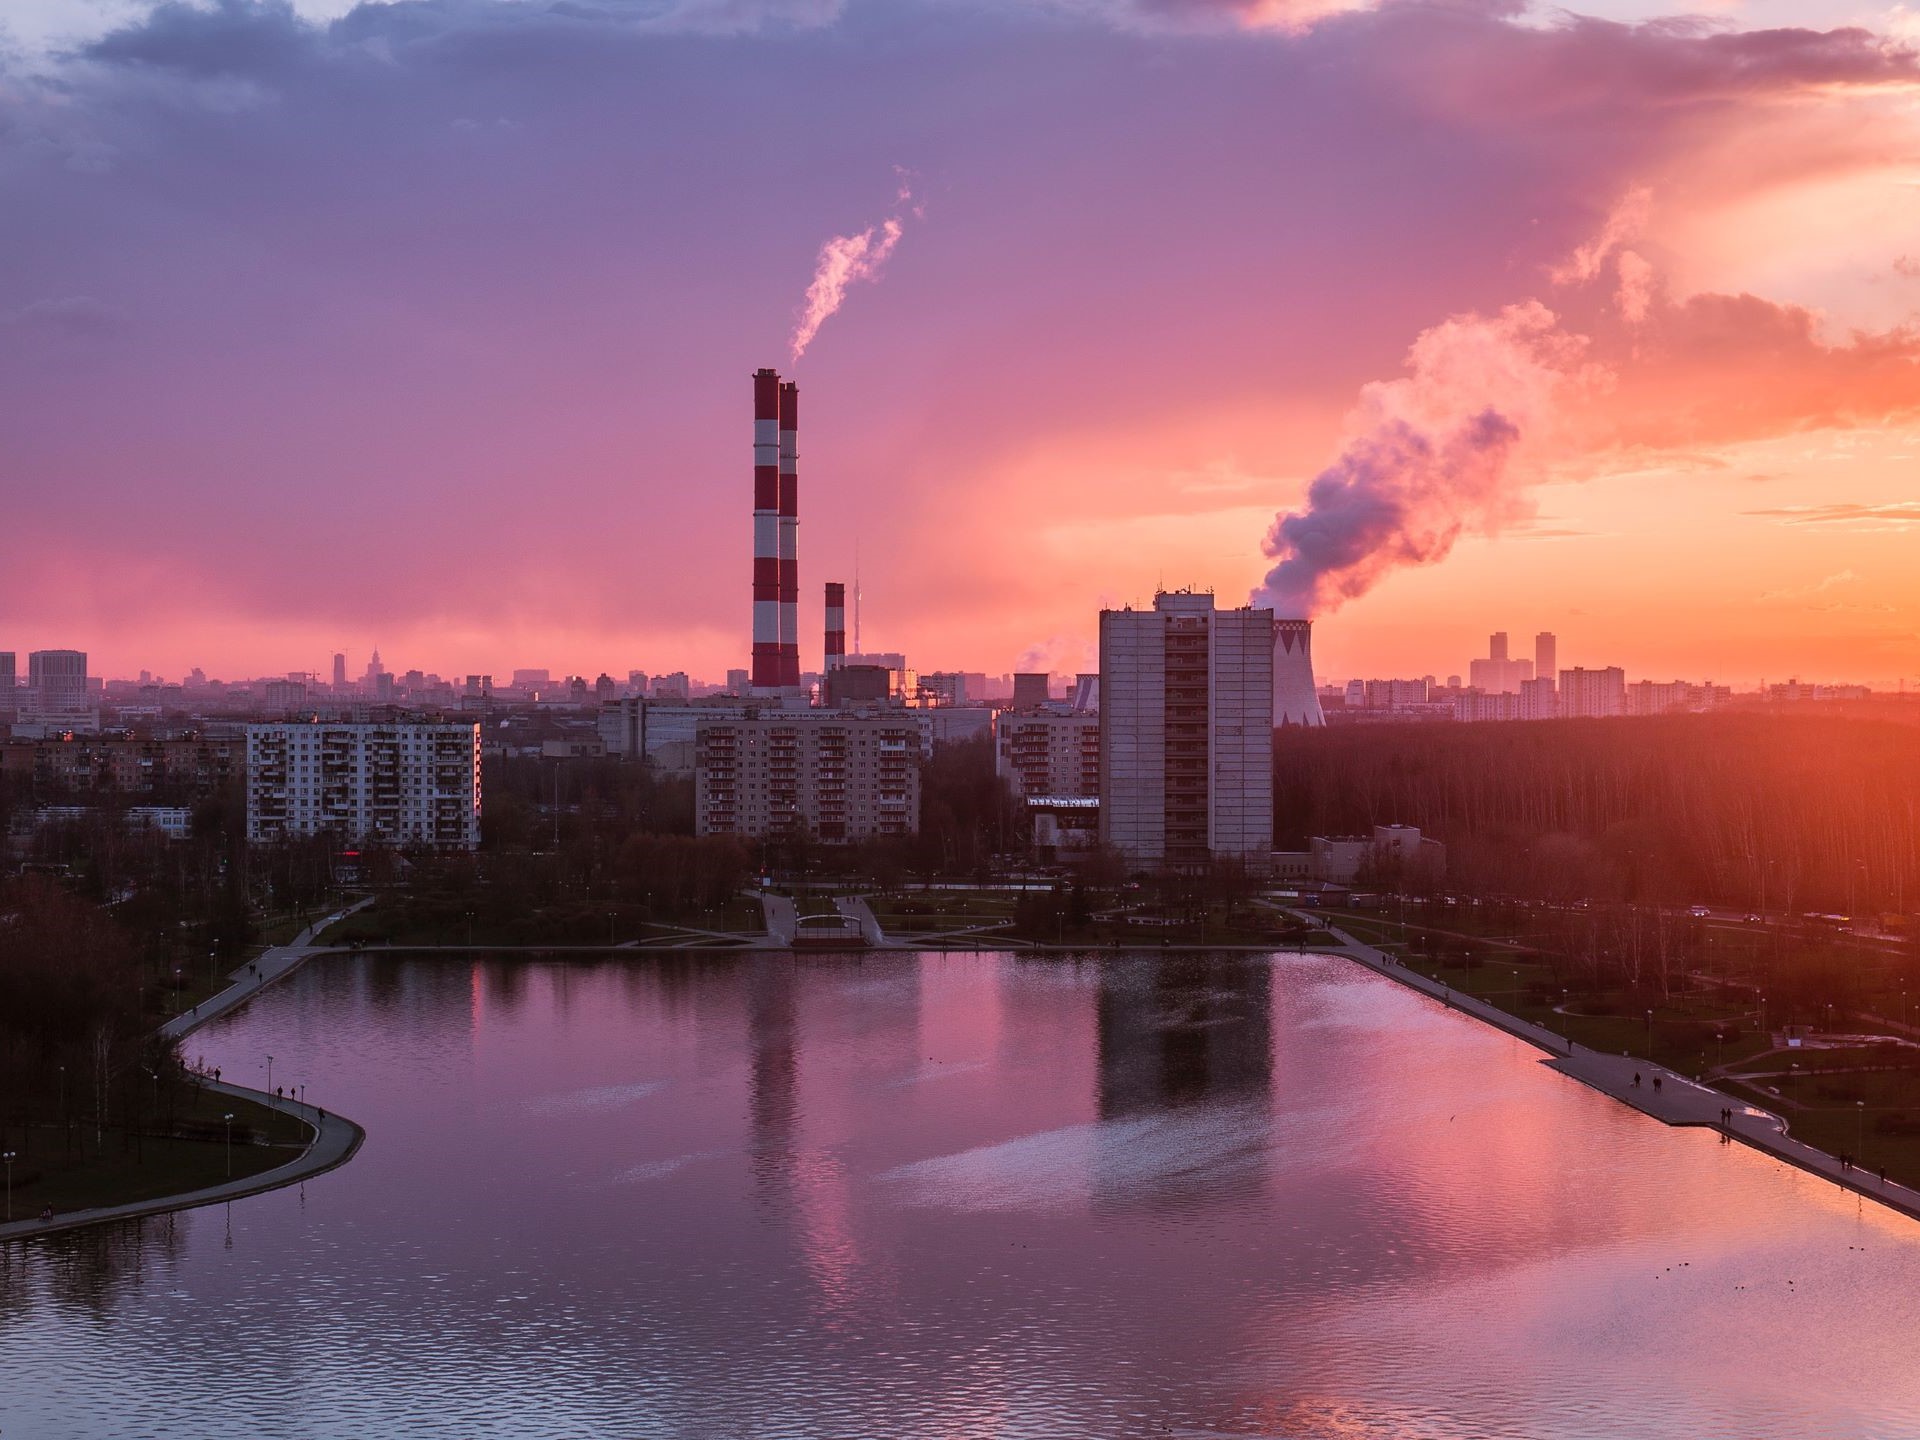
(1186, 732)
(1296, 700)
(832, 777)
(401, 784)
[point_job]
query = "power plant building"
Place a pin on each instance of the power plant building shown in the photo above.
(1296, 700)
(1186, 732)
(402, 784)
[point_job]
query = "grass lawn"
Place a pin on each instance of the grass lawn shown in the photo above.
(392, 920)
(71, 1168)
(1873, 1115)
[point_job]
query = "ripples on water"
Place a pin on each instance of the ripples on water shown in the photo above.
(961, 1196)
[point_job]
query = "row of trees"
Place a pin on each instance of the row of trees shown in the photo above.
(1756, 811)
(73, 1026)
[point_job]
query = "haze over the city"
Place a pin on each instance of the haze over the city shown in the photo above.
(425, 325)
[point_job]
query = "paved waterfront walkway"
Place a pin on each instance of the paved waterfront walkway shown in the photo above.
(1678, 1101)
(250, 979)
(335, 1137)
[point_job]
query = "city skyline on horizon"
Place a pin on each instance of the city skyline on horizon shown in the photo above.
(1656, 377)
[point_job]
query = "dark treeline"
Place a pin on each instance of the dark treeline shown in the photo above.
(1763, 812)
(74, 1033)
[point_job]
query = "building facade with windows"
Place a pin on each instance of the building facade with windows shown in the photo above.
(832, 777)
(1048, 754)
(1186, 732)
(402, 784)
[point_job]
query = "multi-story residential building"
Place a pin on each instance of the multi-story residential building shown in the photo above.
(1538, 698)
(400, 784)
(1654, 697)
(9, 680)
(1591, 694)
(1048, 754)
(67, 767)
(1186, 732)
(832, 777)
(57, 684)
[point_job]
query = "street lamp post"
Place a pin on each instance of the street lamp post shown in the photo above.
(228, 1120)
(610, 930)
(269, 1079)
(8, 1157)
(1649, 1034)
(1860, 1129)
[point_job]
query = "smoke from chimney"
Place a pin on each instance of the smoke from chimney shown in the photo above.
(1446, 450)
(844, 260)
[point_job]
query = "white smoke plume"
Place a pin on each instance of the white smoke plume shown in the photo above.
(843, 260)
(1448, 449)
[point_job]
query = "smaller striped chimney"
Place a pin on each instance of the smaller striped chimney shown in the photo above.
(836, 655)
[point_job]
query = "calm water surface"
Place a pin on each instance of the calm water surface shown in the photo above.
(960, 1196)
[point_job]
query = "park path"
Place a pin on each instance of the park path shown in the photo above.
(335, 1137)
(1677, 1101)
(856, 909)
(253, 977)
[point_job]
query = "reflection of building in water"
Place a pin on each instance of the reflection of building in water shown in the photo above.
(770, 1040)
(1184, 1029)
(1185, 1073)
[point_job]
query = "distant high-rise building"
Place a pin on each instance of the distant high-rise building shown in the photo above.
(1499, 674)
(534, 679)
(1546, 657)
(9, 681)
(1537, 699)
(1186, 732)
(57, 682)
(737, 681)
(339, 674)
(1591, 694)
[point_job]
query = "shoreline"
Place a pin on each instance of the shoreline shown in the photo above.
(335, 1139)
(1681, 1100)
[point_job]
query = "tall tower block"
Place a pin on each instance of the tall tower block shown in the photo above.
(766, 530)
(1295, 700)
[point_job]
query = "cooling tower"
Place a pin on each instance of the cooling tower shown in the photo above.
(1295, 701)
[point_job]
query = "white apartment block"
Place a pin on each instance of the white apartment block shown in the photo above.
(1186, 732)
(835, 777)
(1593, 694)
(1048, 754)
(401, 784)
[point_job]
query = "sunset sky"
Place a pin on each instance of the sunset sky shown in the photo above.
(429, 325)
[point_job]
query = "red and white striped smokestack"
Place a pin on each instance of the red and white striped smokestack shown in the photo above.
(790, 535)
(766, 530)
(836, 626)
